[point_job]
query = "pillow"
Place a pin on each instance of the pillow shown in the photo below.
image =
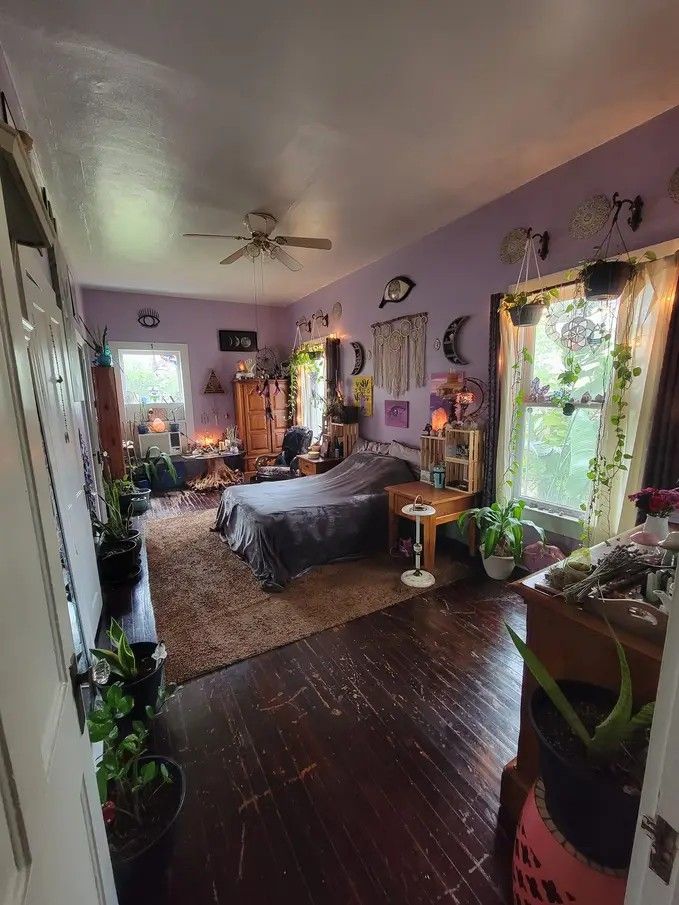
(372, 446)
(409, 454)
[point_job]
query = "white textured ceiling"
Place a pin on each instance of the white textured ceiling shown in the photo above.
(369, 122)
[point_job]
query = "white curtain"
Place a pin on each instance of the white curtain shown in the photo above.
(643, 322)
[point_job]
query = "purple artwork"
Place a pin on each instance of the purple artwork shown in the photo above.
(396, 413)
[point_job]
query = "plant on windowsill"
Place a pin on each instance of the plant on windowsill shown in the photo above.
(592, 758)
(301, 358)
(141, 794)
(567, 379)
(138, 666)
(501, 528)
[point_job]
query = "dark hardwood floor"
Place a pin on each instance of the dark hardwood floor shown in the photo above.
(361, 765)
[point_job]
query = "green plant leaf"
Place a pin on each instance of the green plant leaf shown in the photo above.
(149, 771)
(115, 633)
(555, 694)
(127, 658)
(102, 785)
(609, 733)
(641, 721)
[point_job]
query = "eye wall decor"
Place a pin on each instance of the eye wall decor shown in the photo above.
(148, 317)
(396, 290)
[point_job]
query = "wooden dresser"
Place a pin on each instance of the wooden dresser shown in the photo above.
(108, 419)
(261, 435)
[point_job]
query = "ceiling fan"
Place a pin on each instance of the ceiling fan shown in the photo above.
(260, 226)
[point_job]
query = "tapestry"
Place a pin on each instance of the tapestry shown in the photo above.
(363, 394)
(399, 353)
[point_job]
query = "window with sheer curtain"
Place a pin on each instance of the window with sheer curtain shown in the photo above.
(311, 383)
(553, 449)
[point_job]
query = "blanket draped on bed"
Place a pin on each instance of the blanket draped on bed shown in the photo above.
(282, 529)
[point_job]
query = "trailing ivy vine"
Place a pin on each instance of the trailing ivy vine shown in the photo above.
(603, 470)
(518, 412)
(303, 357)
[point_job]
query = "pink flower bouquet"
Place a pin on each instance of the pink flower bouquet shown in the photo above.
(654, 501)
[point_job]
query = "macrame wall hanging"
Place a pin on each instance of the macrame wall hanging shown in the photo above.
(399, 353)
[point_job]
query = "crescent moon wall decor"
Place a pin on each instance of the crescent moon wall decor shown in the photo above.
(359, 352)
(450, 338)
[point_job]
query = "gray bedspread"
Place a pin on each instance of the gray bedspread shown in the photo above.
(283, 528)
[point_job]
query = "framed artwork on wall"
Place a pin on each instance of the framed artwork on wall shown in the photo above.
(363, 394)
(396, 413)
(238, 340)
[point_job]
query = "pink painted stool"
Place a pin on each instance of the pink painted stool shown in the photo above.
(546, 868)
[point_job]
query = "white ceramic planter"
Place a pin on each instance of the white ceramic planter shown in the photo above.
(498, 567)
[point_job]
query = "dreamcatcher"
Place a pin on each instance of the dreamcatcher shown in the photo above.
(399, 353)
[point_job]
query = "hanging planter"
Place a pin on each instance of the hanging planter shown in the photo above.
(606, 280)
(526, 308)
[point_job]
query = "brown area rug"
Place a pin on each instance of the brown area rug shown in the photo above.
(210, 610)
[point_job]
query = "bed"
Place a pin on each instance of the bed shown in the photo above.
(282, 529)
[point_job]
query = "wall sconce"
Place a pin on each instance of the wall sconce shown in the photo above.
(319, 318)
(303, 324)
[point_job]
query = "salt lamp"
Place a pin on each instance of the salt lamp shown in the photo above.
(157, 426)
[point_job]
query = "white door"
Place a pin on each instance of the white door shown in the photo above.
(55, 385)
(660, 793)
(52, 841)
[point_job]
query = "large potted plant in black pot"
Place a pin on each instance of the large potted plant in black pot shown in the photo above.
(138, 667)
(592, 758)
(120, 543)
(141, 795)
(158, 469)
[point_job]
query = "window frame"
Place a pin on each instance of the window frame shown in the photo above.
(180, 349)
(564, 516)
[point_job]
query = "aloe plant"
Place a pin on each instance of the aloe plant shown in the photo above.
(616, 731)
(120, 659)
(501, 528)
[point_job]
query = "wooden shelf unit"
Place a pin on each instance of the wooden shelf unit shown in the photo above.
(463, 472)
(346, 433)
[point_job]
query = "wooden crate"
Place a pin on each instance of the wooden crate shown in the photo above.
(464, 458)
(346, 433)
(432, 452)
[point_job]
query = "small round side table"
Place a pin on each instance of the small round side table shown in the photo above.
(418, 578)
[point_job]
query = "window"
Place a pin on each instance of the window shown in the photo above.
(312, 395)
(554, 448)
(156, 378)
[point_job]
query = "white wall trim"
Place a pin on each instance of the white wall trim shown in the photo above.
(182, 349)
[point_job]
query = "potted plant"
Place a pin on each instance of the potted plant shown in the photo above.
(592, 758)
(525, 308)
(604, 281)
(141, 794)
(98, 343)
(120, 544)
(139, 668)
(656, 505)
(158, 469)
(501, 528)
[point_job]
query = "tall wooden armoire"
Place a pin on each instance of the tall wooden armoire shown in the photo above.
(108, 419)
(261, 435)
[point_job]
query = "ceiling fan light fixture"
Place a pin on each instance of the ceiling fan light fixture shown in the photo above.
(252, 251)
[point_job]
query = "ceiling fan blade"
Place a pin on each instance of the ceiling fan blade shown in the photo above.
(302, 242)
(285, 258)
(234, 256)
(214, 236)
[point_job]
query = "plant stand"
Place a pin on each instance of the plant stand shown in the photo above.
(546, 868)
(418, 578)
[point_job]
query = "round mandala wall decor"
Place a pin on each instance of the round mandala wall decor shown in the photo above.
(513, 245)
(589, 217)
(337, 311)
(673, 186)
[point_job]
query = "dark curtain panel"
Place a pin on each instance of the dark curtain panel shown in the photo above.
(332, 366)
(490, 454)
(662, 461)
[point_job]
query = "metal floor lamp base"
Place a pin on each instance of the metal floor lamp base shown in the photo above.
(415, 579)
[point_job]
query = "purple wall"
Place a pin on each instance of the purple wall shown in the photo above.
(457, 268)
(191, 321)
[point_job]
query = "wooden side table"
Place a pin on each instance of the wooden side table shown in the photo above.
(449, 506)
(309, 466)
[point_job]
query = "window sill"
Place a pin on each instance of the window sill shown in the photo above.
(554, 522)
